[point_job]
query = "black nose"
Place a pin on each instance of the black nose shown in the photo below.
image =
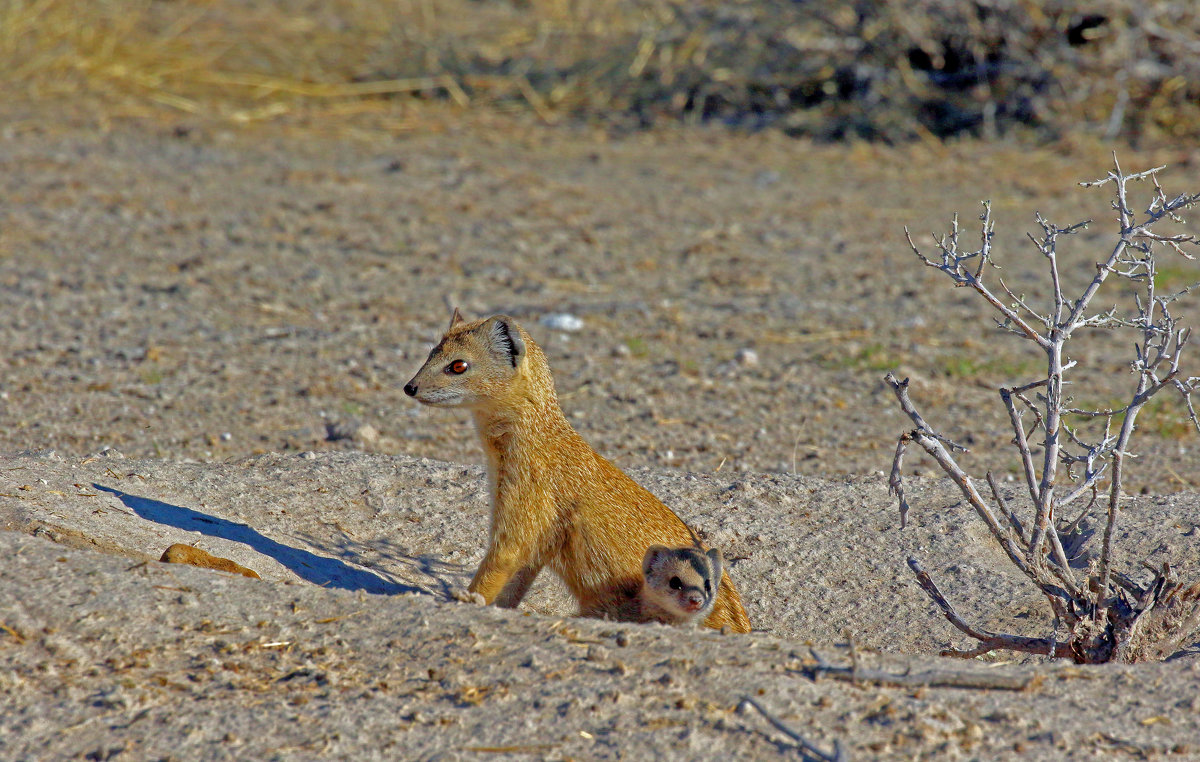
(410, 389)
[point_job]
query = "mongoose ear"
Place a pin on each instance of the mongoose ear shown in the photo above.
(653, 553)
(506, 338)
(718, 563)
(455, 319)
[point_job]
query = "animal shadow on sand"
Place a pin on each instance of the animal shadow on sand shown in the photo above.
(325, 572)
(428, 573)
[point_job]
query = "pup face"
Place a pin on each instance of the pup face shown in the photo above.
(472, 364)
(682, 581)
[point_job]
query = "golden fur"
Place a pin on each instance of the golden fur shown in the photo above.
(555, 501)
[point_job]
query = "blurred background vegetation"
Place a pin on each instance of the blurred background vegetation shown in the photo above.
(886, 70)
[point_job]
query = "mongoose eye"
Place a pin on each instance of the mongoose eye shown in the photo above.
(707, 587)
(676, 583)
(457, 367)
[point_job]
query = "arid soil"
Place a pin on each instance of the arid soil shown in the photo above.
(201, 325)
(188, 292)
(349, 647)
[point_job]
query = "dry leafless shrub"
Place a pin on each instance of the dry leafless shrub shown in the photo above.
(1108, 616)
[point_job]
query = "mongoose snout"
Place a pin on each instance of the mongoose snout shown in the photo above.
(681, 585)
(410, 389)
(690, 600)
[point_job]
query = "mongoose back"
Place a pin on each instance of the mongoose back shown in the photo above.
(555, 501)
(681, 584)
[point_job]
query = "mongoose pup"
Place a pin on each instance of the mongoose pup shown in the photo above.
(681, 584)
(555, 501)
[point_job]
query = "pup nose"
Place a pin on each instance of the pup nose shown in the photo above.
(410, 389)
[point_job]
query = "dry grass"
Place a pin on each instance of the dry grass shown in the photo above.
(247, 62)
(890, 71)
(213, 58)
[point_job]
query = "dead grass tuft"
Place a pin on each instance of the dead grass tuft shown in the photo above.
(891, 70)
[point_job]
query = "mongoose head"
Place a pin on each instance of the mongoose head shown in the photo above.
(681, 582)
(474, 365)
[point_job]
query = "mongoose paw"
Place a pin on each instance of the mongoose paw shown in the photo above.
(464, 596)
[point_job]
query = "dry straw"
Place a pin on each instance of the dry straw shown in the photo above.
(890, 70)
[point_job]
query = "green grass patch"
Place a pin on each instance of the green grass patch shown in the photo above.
(973, 365)
(637, 346)
(874, 356)
(1164, 417)
(1168, 278)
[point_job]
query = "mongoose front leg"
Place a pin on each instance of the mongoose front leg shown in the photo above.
(493, 574)
(514, 592)
(521, 516)
(506, 561)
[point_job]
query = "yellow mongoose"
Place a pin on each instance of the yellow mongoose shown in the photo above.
(681, 584)
(555, 501)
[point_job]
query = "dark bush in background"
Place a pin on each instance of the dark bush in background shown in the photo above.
(886, 69)
(890, 70)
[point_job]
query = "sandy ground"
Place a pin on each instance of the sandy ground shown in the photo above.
(180, 290)
(349, 646)
(206, 329)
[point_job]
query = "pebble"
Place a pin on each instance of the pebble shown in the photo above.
(597, 652)
(533, 661)
(362, 433)
(562, 321)
(746, 357)
(367, 434)
(767, 178)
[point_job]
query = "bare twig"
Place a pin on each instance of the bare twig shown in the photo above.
(1004, 509)
(1114, 498)
(837, 755)
(932, 444)
(901, 389)
(1031, 480)
(988, 641)
(896, 481)
(931, 678)
(952, 265)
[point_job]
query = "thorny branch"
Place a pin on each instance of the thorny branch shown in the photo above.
(1098, 613)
